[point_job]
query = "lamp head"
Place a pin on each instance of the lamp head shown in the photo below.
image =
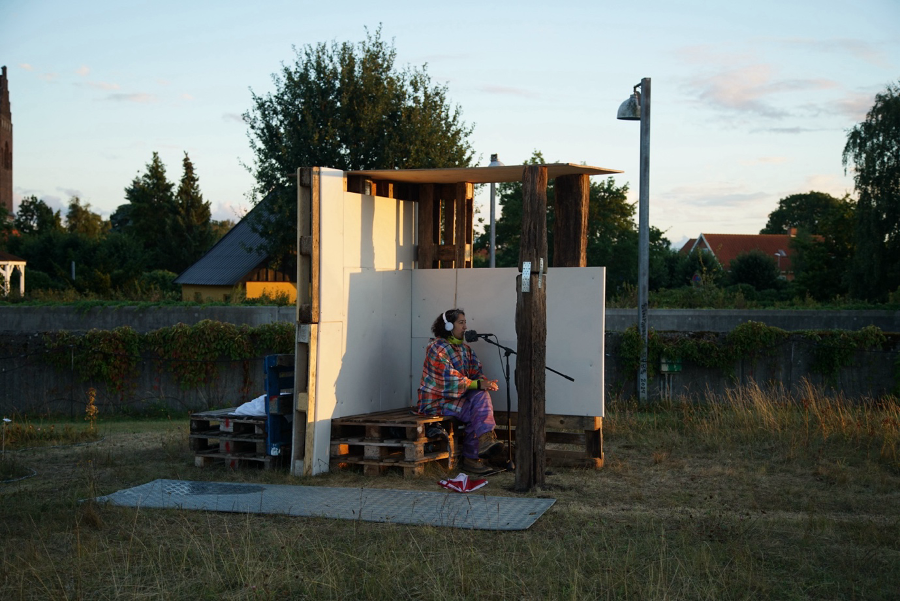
(630, 109)
(495, 162)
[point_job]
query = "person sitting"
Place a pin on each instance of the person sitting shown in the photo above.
(453, 384)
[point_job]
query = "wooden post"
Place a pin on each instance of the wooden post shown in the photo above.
(425, 258)
(570, 230)
(531, 332)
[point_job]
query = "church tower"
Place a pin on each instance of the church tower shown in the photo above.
(6, 145)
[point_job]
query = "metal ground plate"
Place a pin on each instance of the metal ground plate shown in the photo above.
(439, 509)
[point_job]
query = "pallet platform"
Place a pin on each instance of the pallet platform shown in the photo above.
(393, 439)
(571, 440)
(238, 441)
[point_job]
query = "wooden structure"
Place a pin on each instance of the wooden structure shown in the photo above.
(9, 263)
(221, 436)
(394, 439)
(381, 252)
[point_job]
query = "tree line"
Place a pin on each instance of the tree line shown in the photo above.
(147, 241)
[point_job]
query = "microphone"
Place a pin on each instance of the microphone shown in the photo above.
(472, 336)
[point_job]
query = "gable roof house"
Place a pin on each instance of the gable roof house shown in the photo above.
(228, 265)
(725, 247)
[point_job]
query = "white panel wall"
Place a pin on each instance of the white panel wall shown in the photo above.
(575, 329)
(366, 256)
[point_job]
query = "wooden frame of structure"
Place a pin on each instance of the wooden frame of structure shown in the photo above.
(443, 202)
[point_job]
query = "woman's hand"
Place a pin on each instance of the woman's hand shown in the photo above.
(489, 385)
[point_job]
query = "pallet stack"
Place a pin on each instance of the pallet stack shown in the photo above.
(238, 441)
(575, 441)
(396, 439)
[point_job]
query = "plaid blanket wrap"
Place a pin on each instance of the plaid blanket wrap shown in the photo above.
(446, 375)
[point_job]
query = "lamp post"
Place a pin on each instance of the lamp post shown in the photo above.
(495, 162)
(637, 108)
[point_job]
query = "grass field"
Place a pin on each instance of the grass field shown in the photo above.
(754, 496)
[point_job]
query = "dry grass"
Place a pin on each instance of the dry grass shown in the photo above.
(753, 496)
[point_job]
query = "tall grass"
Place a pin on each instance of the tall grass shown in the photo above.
(748, 495)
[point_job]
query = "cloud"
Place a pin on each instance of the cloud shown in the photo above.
(26, 67)
(793, 130)
(83, 70)
(860, 49)
(765, 161)
(232, 117)
(713, 195)
(234, 211)
(70, 192)
(855, 105)
(103, 85)
(141, 97)
(508, 91)
(187, 97)
(747, 89)
(163, 82)
(49, 77)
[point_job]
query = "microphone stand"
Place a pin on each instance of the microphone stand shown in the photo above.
(510, 464)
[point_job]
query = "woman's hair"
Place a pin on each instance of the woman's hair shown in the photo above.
(438, 329)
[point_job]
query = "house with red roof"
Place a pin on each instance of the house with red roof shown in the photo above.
(725, 247)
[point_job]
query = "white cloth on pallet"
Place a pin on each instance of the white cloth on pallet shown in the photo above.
(255, 407)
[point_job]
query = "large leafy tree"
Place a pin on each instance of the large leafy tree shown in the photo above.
(191, 229)
(80, 219)
(36, 217)
(152, 209)
(873, 148)
(807, 212)
(755, 268)
(346, 106)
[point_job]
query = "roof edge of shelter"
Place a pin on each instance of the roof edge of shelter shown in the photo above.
(478, 175)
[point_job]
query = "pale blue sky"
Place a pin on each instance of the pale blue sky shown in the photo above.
(751, 100)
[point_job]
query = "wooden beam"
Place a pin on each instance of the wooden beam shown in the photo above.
(315, 199)
(304, 243)
(531, 333)
(570, 230)
(460, 232)
(425, 259)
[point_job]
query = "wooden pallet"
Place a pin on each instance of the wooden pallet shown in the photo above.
(238, 441)
(392, 439)
(571, 440)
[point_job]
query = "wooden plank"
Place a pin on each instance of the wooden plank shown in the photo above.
(531, 332)
(477, 175)
(315, 203)
(460, 233)
(304, 231)
(557, 421)
(571, 213)
(384, 188)
(310, 434)
(425, 257)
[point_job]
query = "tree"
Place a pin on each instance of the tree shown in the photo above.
(873, 148)
(36, 217)
(755, 268)
(191, 230)
(805, 212)
(822, 260)
(80, 219)
(349, 107)
(699, 267)
(152, 208)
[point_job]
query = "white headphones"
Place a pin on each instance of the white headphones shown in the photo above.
(448, 326)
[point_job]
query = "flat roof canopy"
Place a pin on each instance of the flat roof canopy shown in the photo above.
(477, 175)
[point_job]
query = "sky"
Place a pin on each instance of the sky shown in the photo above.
(751, 101)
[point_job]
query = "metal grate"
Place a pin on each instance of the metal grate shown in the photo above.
(440, 509)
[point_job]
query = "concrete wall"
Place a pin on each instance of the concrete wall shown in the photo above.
(28, 320)
(871, 373)
(725, 320)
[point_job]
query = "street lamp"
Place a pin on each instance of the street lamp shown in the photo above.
(495, 162)
(637, 108)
